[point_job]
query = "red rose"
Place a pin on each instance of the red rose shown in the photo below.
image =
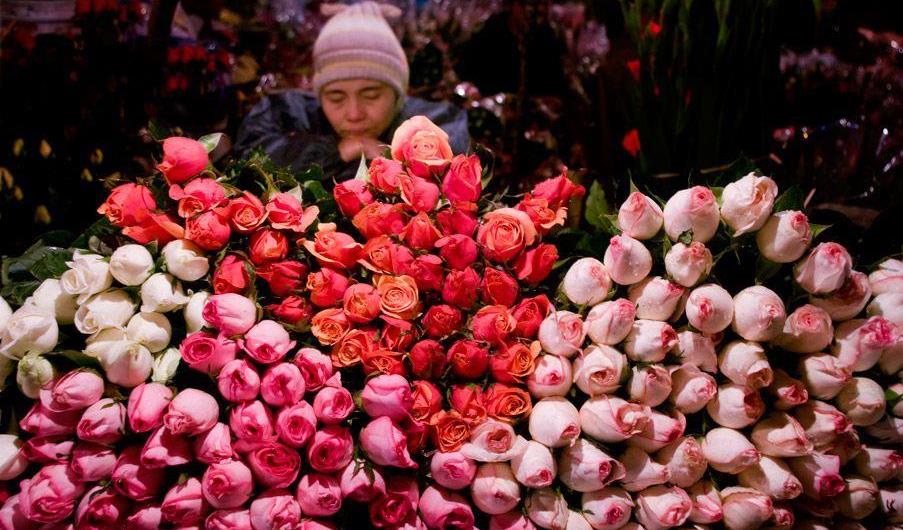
(128, 205)
(514, 363)
(529, 314)
(449, 430)
(427, 272)
(361, 303)
(378, 219)
(380, 254)
(397, 335)
(384, 174)
(458, 251)
(294, 310)
(268, 245)
(558, 191)
(353, 347)
(416, 433)
(232, 275)
(159, 227)
(286, 213)
(461, 288)
(543, 217)
(246, 213)
(468, 359)
(327, 287)
(183, 158)
(457, 221)
(209, 230)
(284, 277)
(398, 507)
(442, 320)
(463, 181)
(419, 233)
(427, 359)
(334, 249)
(507, 403)
(535, 265)
(492, 324)
(467, 400)
(498, 287)
(387, 362)
(351, 196)
(197, 196)
(420, 194)
(427, 399)
(505, 233)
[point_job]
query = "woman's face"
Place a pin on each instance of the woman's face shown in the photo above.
(358, 108)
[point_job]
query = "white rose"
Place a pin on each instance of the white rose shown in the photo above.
(692, 209)
(747, 203)
(784, 237)
(745, 363)
(51, 297)
(12, 458)
(32, 373)
(710, 308)
(862, 400)
(759, 313)
(698, 350)
(586, 282)
(655, 298)
(824, 270)
(29, 330)
(194, 312)
(610, 322)
(185, 260)
(88, 274)
(109, 309)
(104, 341)
(640, 217)
(150, 329)
(627, 260)
(131, 264)
(5, 313)
(599, 369)
(848, 301)
(889, 306)
(165, 365)
(128, 364)
(162, 293)
(888, 278)
(688, 264)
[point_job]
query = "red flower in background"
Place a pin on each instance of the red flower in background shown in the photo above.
(631, 142)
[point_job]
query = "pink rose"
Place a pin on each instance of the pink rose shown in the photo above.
(296, 424)
(43, 450)
(183, 158)
(231, 313)
(76, 390)
(891, 502)
(888, 278)
(227, 484)
(229, 520)
(745, 508)
(398, 507)
(649, 341)
(274, 465)
(660, 507)
(387, 395)
(823, 375)
(351, 196)
(822, 423)
(419, 194)
(655, 298)
(548, 509)
(599, 369)
(103, 422)
(691, 389)
(92, 462)
(50, 495)
(285, 212)
(627, 260)
(440, 508)
(458, 251)
(808, 329)
(640, 217)
(535, 466)
(728, 450)
(779, 434)
(659, 431)
(789, 392)
(493, 441)
(214, 445)
(252, 424)
(421, 146)
(848, 301)
(710, 308)
(238, 381)
(736, 406)
(706, 503)
(319, 495)
(698, 350)
(463, 182)
(825, 269)
(584, 467)
(784, 236)
(862, 400)
(819, 473)
(184, 503)
(333, 404)
(860, 343)
(689, 264)
(384, 173)
(275, 509)
(586, 282)
(147, 403)
(267, 342)
(386, 444)
(772, 477)
(610, 322)
(134, 481)
(191, 412)
(640, 471)
(316, 368)
(209, 230)
(759, 314)
(607, 509)
(452, 470)
(859, 499)
(165, 449)
(360, 482)
(551, 376)
(282, 385)
(746, 203)
(206, 352)
(745, 363)
(513, 520)
(495, 489)
(42, 421)
(101, 508)
(685, 461)
(331, 449)
(561, 333)
(879, 463)
(693, 209)
(649, 385)
(611, 419)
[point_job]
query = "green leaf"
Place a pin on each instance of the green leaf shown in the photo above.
(362, 172)
(598, 211)
(741, 167)
(687, 237)
(17, 292)
(78, 357)
(791, 199)
(890, 395)
(52, 264)
(766, 269)
(315, 187)
(816, 230)
(210, 141)
(101, 228)
(718, 191)
(158, 132)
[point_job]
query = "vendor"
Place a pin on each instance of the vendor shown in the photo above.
(360, 82)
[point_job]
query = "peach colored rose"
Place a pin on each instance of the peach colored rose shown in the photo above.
(422, 146)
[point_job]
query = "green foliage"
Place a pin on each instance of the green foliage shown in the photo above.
(791, 199)
(598, 212)
(211, 141)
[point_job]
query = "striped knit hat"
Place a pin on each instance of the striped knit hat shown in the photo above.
(358, 43)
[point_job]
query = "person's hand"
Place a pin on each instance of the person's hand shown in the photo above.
(350, 149)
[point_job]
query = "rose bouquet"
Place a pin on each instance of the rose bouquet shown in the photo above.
(410, 353)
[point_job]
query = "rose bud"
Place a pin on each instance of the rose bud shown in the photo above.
(535, 265)
(385, 443)
(132, 480)
(784, 236)
(640, 217)
(627, 260)
(492, 324)
(238, 381)
(848, 301)
(888, 278)
(227, 484)
(640, 471)
(685, 461)
(147, 403)
(860, 343)
(822, 422)
(88, 274)
(745, 363)
(611, 419)
(649, 385)
(361, 303)
(333, 404)
(41, 421)
(783, 516)
(232, 275)
(529, 314)
(649, 341)
(586, 282)
(191, 412)
(493, 441)
(351, 196)
(362, 482)
(327, 287)
(823, 375)
(736, 406)
(692, 209)
(48, 449)
(780, 435)
(495, 489)
(789, 392)
(513, 520)
(74, 391)
(214, 445)
(428, 359)
(282, 385)
(554, 422)
(267, 342)
(655, 298)
(759, 314)
(236, 519)
(610, 322)
(164, 449)
(846, 446)
(561, 333)
(706, 503)
(275, 508)
(330, 449)
(315, 366)
(584, 467)
(467, 359)
(807, 330)
(440, 508)
(661, 430)
(819, 473)
(103, 422)
(607, 508)
(888, 430)
(547, 509)
(891, 499)
(252, 424)
(890, 307)
(728, 450)
(824, 270)
(691, 389)
(698, 350)
(772, 477)
(457, 250)
(101, 508)
(598, 370)
(387, 395)
(231, 313)
(534, 467)
(745, 508)
(498, 287)
(660, 507)
(90, 463)
(441, 320)
(859, 499)
(577, 521)
(710, 308)
(862, 400)
(319, 495)
(296, 424)
(689, 264)
(551, 376)
(879, 463)
(452, 470)
(746, 203)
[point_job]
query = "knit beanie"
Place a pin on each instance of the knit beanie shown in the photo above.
(357, 42)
